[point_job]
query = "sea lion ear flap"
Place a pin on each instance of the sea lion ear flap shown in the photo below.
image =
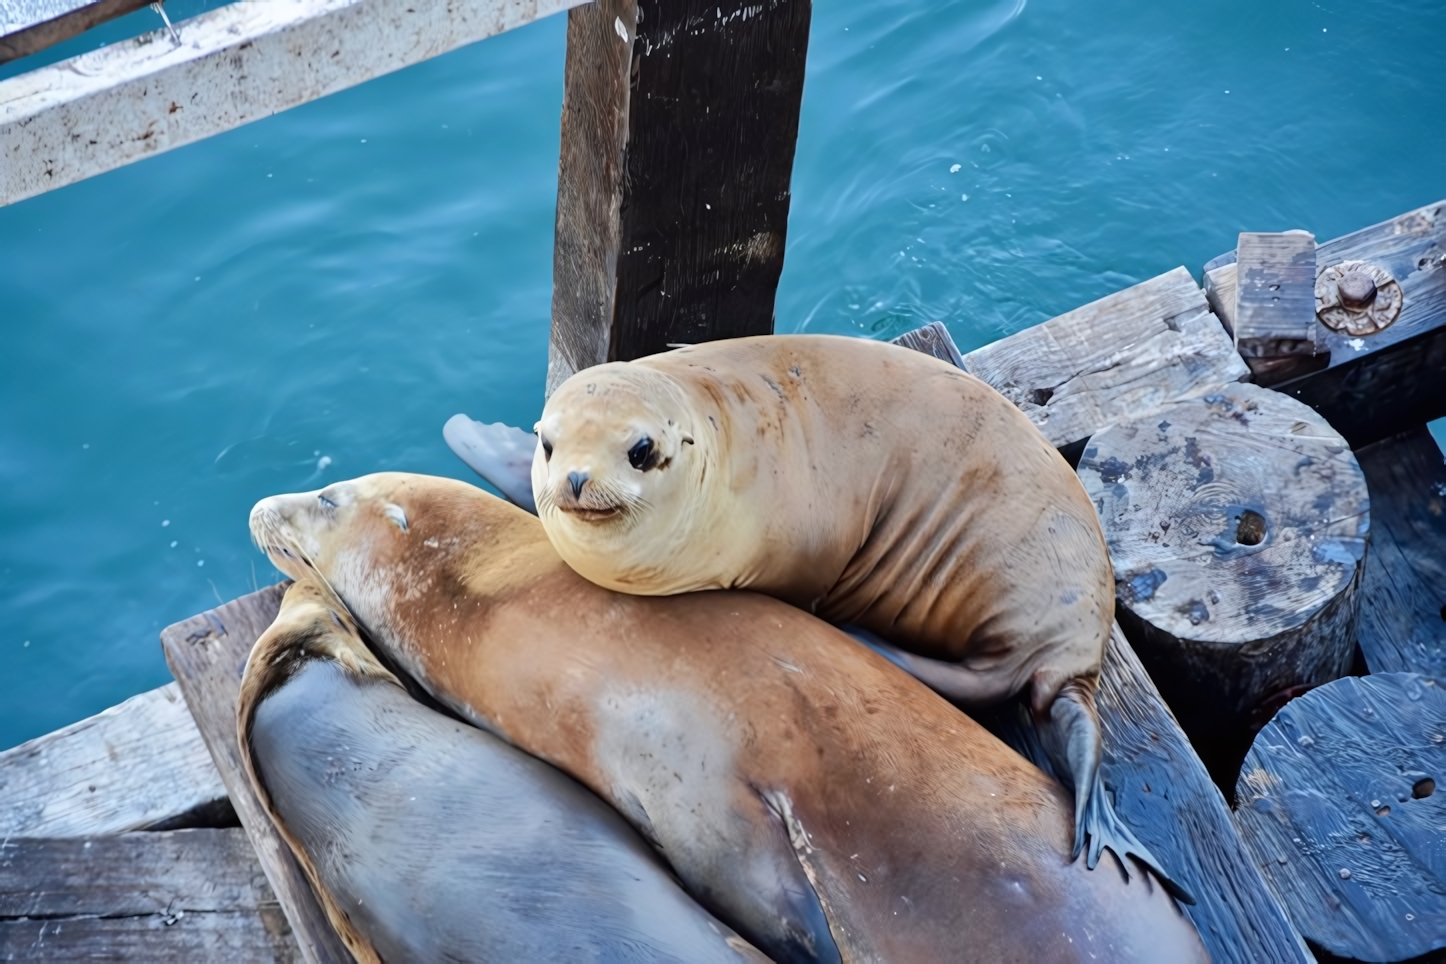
(397, 516)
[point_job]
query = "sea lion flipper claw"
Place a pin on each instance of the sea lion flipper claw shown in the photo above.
(499, 453)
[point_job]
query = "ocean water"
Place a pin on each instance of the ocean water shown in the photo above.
(310, 297)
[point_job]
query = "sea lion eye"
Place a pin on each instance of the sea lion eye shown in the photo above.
(640, 456)
(325, 502)
(546, 450)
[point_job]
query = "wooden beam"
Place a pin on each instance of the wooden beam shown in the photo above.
(29, 26)
(137, 766)
(1274, 319)
(207, 654)
(1341, 810)
(1380, 384)
(1403, 598)
(1111, 359)
(678, 127)
(933, 339)
(234, 65)
(182, 896)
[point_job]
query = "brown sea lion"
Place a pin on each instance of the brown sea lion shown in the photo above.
(824, 804)
(867, 483)
(427, 839)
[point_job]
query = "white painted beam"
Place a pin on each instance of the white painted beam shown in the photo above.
(251, 59)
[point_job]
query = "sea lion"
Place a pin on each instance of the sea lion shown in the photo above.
(867, 483)
(427, 839)
(824, 804)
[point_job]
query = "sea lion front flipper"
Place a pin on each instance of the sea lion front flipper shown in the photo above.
(499, 453)
(1071, 742)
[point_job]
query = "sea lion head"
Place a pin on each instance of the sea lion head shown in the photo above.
(618, 451)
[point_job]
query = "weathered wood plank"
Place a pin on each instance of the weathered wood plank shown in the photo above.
(1340, 807)
(1237, 523)
(207, 654)
(140, 765)
(186, 895)
(1164, 795)
(1112, 359)
(1403, 606)
(1274, 320)
(933, 339)
(29, 26)
(1378, 385)
(234, 65)
(678, 129)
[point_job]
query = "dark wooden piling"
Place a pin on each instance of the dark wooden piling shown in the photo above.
(1387, 381)
(1403, 606)
(1274, 317)
(1340, 808)
(1237, 524)
(678, 128)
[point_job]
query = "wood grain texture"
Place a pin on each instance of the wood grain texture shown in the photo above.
(1274, 320)
(30, 27)
(678, 133)
(186, 895)
(1161, 790)
(1114, 358)
(1382, 384)
(137, 766)
(1403, 607)
(207, 654)
(1237, 523)
(933, 339)
(1340, 808)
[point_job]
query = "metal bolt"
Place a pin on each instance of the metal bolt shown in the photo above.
(1357, 290)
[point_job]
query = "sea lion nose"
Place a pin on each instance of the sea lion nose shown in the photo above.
(577, 479)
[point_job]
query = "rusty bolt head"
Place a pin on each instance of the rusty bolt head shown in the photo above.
(1357, 290)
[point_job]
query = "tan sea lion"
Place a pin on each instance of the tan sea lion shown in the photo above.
(427, 839)
(826, 805)
(867, 483)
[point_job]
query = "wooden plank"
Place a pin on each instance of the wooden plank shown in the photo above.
(234, 65)
(29, 26)
(933, 339)
(1403, 606)
(1237, 523)
(678, 128)
(207, 654)
(1112, 359)
(185, 895)
(1380, 385)
(140, 765)
(1274, 320)
(1341, 811)
(1162, 792)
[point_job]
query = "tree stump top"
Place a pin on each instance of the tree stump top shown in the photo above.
(1231, 516)
(1343, 808)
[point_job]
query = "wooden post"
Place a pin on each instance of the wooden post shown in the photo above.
(1388, 379)
(1342, 809)
(679, 120)
(1403, 606)
(1274, 317)
(1237, 524)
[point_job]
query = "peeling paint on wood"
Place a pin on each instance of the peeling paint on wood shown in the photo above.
(136, 766)
(235, 64)
(1111, 359)
(1237, 523)
(1403, 605)
(1343, 804)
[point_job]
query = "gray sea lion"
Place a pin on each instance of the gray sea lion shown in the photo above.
(867, 483)
(427, 839)
(826, 805)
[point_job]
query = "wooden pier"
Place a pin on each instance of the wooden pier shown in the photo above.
(1254, 435)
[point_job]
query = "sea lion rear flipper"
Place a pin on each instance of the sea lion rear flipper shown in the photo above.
(499, 453)
(1070, 741)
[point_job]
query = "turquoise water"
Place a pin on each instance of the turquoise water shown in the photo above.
(310, 297)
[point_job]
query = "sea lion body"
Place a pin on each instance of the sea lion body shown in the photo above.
(826, 805)
(427, 839)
